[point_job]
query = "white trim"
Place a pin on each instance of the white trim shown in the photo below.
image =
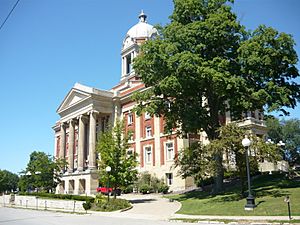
(146, 161)
(147, 116)
(169, 181)
(147, 131)
(167, 156)
(130, 118)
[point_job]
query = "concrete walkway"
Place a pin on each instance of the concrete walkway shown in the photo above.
(151, 206)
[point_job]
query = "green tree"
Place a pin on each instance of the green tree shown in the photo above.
(42, 172)
(231, 137)
(197, 160)
(205, 63)
(194, 161)
(112, 147)
(8, 181)
(287, 131)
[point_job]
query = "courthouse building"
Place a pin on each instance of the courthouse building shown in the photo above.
(86, 111)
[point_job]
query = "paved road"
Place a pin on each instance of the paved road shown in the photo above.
(12, 216)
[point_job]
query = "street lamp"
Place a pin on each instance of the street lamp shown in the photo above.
(108, 169)
(250, 205)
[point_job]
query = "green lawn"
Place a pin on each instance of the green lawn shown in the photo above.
(270, 191)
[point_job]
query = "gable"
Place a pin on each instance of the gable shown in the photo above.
(73, 97)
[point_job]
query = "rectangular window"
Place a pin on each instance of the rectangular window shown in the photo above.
(148, 132)
(130, 118)
(148, 154)
(169, 150)
(169, 178)
(128, 64)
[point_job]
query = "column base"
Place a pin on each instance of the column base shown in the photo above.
(250, 205)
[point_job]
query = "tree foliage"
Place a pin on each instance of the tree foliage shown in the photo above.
(198, 160)
(41, 173)
(205, 63)
(8, 181)
(112, 147)
(287, 131)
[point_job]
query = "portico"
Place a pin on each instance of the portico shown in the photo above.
(85, 112)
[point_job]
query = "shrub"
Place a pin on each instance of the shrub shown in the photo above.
(100, 199)
(86, 205)
(112, 205)
(149, 183)
(128, 189)
(145, 188)
(163, 188)
(206, 181)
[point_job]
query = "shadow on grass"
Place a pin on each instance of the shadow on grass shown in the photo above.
(269, 191)
(259, 202)
(264, 185)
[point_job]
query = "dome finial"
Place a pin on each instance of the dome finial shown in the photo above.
(142, 16)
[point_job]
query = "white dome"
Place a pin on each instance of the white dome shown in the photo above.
(141, 30)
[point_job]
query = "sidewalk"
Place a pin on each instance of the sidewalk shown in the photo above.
(152, 206)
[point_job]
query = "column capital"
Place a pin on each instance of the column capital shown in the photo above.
(71, 121)
(83, 117)
(62, 125)
(93, 112)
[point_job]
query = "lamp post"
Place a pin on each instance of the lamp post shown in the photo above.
(250, 205)
(108, 169)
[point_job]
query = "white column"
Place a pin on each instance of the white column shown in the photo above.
(71, 146)
(81, 138)
(62, 143)
(92, 141)
(123, 67)
(156, 136)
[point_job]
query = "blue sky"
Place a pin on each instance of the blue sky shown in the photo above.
(47, 46)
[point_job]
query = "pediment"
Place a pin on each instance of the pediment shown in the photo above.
(74, 97)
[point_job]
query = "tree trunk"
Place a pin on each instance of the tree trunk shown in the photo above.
(213, 133)
(219, 175)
